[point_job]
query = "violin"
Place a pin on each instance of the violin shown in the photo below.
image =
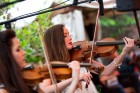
(111, 43)
(34, 74)
(104, 47)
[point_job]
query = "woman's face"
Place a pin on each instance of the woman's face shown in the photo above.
(67, 39)
(18, 53)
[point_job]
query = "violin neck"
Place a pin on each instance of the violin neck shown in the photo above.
(65, 65)
(109, 43)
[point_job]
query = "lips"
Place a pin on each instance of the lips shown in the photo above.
(70, 43)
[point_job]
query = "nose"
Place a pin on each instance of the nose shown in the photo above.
(23, 52)
(70, 37)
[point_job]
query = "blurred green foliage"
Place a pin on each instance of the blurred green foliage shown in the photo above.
(3, 9)
(116, 26)
(123, 20)
(29, 38)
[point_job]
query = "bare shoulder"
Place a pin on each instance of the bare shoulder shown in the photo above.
(3, 91)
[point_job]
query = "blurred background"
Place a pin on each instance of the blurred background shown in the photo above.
(120, 19)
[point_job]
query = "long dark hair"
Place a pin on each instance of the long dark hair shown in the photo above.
(54, 40)
(10, 74)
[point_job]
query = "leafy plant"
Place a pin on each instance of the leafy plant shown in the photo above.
(30, 40)
(123, 20)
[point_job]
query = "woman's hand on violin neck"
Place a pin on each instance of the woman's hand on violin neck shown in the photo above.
(129, 44)
(75, 66)
(85, 77)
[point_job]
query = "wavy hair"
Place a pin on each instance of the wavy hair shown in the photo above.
(54, 40)
(10, 73)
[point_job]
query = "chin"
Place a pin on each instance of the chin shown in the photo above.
(69, 48)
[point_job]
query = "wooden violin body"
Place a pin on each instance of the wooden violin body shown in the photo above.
(104, 47)
(36, 74)
(82, 50)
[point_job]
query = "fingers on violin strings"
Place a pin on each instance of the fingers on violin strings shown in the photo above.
(89, 75)
(125, 40)
(74, 64)
(77, 64)
(129, 41)
(70, 64)
(87, 78)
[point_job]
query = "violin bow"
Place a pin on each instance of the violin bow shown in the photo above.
(94, 36)
(47, 59)
(93, 50)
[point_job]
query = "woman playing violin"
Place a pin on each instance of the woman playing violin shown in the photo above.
(12, 61)
(59, 43)
(10, 78)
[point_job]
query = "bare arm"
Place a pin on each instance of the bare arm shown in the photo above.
(75, 76)
(62, 85)
(46, 86)
(112, 66)
(51, 88)
(129, 44)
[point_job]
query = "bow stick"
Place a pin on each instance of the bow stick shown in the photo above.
(94, 36)
(47, 59)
